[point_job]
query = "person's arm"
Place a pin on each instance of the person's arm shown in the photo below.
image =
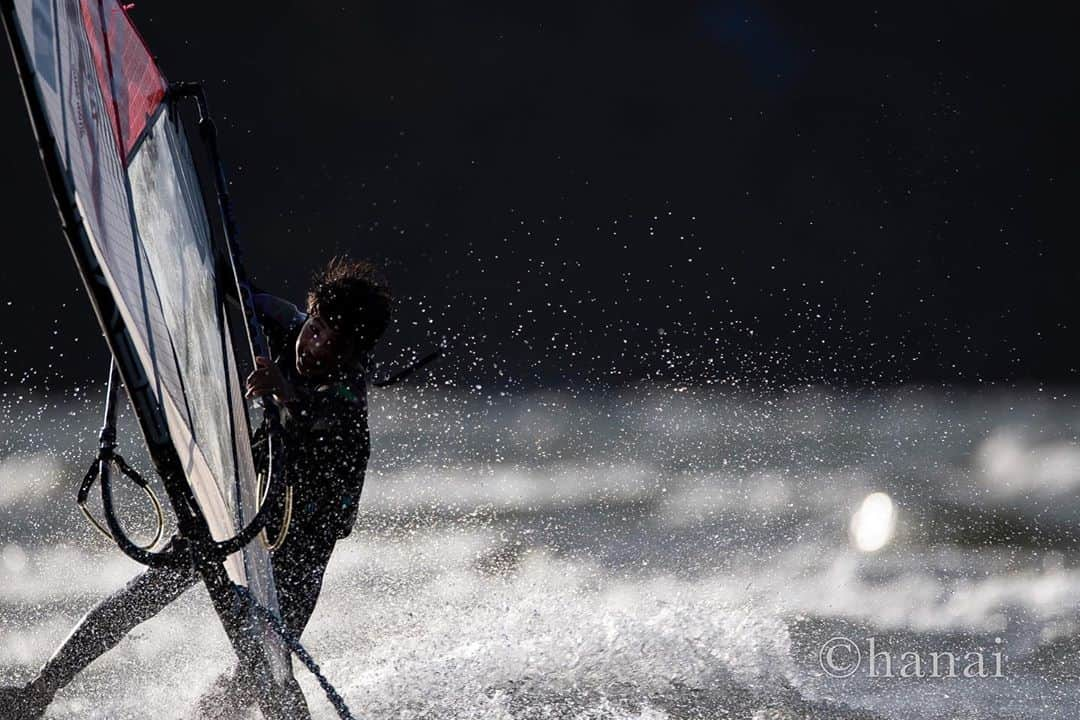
(279, 319)
(266, 379)
(351, 468)
(341, 432)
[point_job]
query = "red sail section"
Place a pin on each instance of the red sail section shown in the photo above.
(131, 84)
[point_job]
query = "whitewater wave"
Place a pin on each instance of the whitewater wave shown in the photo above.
(651, 553)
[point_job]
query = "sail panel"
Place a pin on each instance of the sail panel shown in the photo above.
(131, 84)
(128, 169)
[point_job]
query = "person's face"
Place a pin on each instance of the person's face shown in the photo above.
(319, 349)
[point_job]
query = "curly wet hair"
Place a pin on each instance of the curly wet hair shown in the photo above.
(353, 298)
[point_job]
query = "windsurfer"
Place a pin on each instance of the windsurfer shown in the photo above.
(317, 377)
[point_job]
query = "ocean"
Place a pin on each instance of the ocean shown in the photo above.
(647, 552)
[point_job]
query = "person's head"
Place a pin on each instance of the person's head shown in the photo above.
(348, 309)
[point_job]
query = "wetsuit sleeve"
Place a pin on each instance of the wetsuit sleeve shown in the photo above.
(333, 422)
(352, 458)
(280, 320)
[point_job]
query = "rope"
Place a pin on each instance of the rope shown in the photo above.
(283, 531)
(293, 643)
(104, 456)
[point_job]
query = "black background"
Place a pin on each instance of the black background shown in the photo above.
(602, 192)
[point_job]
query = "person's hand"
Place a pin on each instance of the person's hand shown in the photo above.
(267, 379)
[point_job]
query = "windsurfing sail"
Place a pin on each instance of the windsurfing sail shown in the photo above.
(130, 174)
(117, 156)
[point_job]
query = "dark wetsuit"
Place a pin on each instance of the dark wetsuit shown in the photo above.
(327, 447)
(327, 442)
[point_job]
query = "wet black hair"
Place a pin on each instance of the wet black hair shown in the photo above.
(352, 298)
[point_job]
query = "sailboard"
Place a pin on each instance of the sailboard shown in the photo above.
(162, 283)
